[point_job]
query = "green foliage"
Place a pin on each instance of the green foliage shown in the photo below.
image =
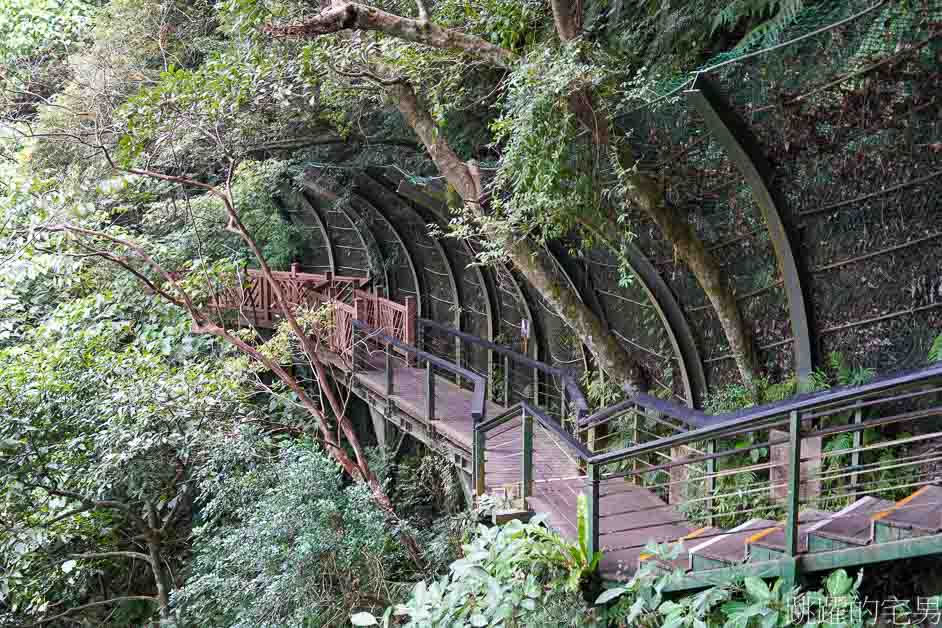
(514, 25)
(284, 542)
(766, 19)
(542, 183)
(107, 398)
(847, 375)
(746, 603)
(935, 352)
(601, 391)
(513, 575)
(30, 28)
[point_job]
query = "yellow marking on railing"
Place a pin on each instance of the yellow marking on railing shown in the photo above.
(899, 504)
(687, 537)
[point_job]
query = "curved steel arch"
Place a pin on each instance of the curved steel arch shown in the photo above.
(674, 322)
(370, 245)
(565, 273)
(306, 204)
(741, 146)
(402, 245)
(435, 206)
(437, 245)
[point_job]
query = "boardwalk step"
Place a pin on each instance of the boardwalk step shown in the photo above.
(770, 544)
(849, 527)
(917, 515)
(728, 549)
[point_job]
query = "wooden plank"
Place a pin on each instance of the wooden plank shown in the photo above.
(729, 548)
(850, 526)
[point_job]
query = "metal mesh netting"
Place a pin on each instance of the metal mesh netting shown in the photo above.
(844, 116)
(439, 292)
(317, 257)
(633, 317)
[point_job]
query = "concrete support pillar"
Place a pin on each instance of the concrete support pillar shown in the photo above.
(380, 427)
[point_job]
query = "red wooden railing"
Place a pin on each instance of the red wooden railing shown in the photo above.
(252, 297)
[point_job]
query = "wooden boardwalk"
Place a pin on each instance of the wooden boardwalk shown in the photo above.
(630, 516)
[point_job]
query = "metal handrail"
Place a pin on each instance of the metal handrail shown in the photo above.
(477, 398)
(569, 381)
(751, 419)
(553, 426)
(500, 419)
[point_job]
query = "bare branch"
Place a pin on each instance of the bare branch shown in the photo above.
(114, 554)
(355, 16)
(114, 600)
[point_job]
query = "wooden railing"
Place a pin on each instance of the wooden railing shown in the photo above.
(397, 320)
(252, 297)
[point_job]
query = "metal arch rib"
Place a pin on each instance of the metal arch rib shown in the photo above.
(435, 206)
(743, 149)
(370, 245)
(402, 245)
(432, 205)
(367, 240)
(565, 273)
(306, 204)
(674, 323)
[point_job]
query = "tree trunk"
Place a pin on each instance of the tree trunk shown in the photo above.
(161, 577)
(645, 192)
(609, 354)
(705, 267)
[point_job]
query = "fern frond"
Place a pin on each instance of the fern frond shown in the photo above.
(935, 353)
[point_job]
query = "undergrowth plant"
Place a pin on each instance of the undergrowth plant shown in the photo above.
(747, 602)
(509, 576)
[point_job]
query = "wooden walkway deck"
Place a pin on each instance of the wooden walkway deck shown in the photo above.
(630, 516)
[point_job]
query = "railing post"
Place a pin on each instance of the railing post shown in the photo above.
(479, 440)
(710, 488)
(389, 372)
(329, 278)
(857, 442)
(527, 479)
(353, 347)
(592, 510)
(489, 383)
(507, 387)
(563, 402)
(429, 391)
(411, 329)
(790, 572)
(536, 388)
(295, 268)
(359, 309)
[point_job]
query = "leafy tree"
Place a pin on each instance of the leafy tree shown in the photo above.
(285, 541)
(105, 410)
(556, 137)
